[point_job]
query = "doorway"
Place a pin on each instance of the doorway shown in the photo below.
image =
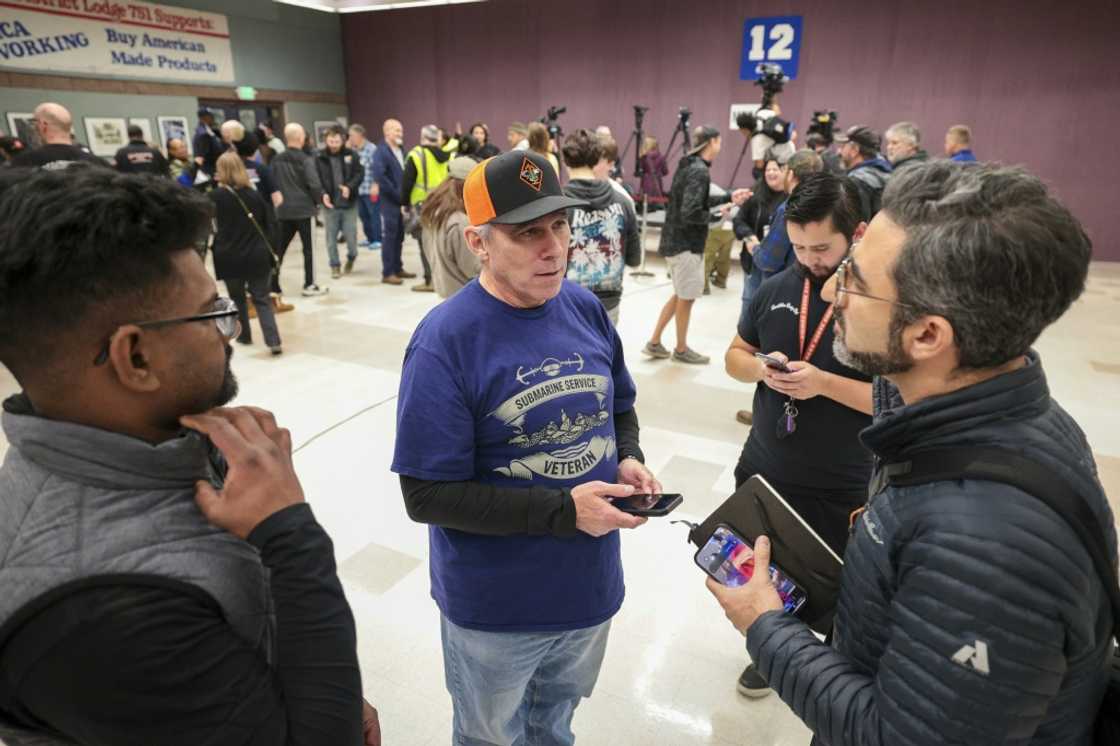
(252, 114)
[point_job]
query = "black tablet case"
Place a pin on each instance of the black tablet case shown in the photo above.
(755, 509)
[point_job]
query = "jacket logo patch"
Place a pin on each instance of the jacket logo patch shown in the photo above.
(531, 174)
(788, 306)
(975, 656)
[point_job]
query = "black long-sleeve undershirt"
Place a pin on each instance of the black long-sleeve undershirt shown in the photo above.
(481, 508)
(156, 662)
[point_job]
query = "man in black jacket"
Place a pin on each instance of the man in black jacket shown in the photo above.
(682, 242)
(969, 611)
(904, 146)
(207, 143)
(859, 150)
(340, 172)
(164, 580)
(297, 177)
(138, 157)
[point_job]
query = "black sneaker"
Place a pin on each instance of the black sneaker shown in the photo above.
(752, 684)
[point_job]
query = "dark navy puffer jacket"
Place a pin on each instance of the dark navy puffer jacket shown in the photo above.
(969, 612)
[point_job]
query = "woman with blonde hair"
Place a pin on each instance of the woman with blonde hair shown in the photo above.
(540, 142)
(654, 168)
(243, 255)
(442, 221)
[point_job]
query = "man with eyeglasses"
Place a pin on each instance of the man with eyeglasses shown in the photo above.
(163, 579)
(807, 418)
(971, 610)
(57, 151)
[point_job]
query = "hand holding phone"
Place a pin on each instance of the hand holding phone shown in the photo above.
(595, 515)
(773, 362)
(729, 559)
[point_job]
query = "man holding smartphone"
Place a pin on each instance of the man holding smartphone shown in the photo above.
(971, 611)
(808, 407)
(515, 429)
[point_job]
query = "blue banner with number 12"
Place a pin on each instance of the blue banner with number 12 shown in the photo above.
(775, 41)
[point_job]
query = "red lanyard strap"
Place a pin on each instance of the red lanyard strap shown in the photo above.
(803, 324)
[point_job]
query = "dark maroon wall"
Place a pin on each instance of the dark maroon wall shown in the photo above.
(1037, 81)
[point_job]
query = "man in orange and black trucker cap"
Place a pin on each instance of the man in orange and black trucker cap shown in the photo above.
(515, 428)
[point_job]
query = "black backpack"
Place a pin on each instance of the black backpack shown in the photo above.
(777, 129)
(999, 465)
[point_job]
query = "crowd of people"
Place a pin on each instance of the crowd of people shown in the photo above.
(167, 574)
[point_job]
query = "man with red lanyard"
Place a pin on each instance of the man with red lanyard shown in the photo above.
(805, 437)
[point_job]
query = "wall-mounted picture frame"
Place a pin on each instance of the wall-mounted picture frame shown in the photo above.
(145, 126)
(321, 130)
(22, 125)
(248, 117)
(106, 135)
(174, 128)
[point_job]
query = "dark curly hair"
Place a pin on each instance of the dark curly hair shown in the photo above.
(81, 251)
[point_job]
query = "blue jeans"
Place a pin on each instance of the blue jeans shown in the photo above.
(344, 219)
(751, 284)
(519, 688)
(370, 214)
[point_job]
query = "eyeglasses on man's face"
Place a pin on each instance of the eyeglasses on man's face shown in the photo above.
(842, 290)
(224, 316)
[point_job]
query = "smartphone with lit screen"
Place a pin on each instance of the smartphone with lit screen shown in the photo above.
(729, 558)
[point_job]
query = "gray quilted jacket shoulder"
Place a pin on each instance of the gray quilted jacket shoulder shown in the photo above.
(969, 612)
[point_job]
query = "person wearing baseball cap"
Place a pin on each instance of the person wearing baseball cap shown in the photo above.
(859, 151)
(683, 238)
(515, 429)
(207, 144)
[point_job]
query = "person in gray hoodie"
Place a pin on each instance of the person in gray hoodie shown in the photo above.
(297, 178)
(163, 579)
(605, 233)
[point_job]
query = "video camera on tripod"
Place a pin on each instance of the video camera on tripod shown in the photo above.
(551, 120)
(683, 115)
(824, 124)
(771, 80)
(636, 137)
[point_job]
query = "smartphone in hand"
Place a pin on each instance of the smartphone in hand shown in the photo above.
(773, 362)
(651, 506)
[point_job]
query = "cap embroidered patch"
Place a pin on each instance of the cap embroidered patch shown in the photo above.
(531, 174)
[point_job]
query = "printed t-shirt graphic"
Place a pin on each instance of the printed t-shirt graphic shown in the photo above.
(521, 398)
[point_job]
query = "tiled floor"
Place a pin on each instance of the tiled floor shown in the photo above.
(669, 676)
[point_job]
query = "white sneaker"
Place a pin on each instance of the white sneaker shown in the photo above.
(312, 290)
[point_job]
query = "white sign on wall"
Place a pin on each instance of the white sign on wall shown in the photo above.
(111, 37)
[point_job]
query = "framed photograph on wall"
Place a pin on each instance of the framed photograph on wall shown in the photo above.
(106, 135)
(321, 130)
(145, 125)
(174, 128)
(248, 117)
(22, 125)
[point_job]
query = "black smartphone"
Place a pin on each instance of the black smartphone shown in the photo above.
(773, 362)
(729, 558)
(649, 505)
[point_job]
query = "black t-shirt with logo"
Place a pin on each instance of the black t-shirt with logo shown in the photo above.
(55, 156)
(823, 454)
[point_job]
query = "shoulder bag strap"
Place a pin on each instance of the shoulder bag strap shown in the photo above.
(1008, 467)
(253, 220)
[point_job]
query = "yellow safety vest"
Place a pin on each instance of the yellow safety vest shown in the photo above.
(430, 173)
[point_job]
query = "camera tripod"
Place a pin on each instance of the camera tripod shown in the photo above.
(637, 136)
(680, 129)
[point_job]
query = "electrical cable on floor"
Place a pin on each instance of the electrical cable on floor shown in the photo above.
(340, 423)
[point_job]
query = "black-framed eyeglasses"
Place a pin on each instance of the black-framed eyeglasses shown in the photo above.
(224, 316)
(842, 287)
